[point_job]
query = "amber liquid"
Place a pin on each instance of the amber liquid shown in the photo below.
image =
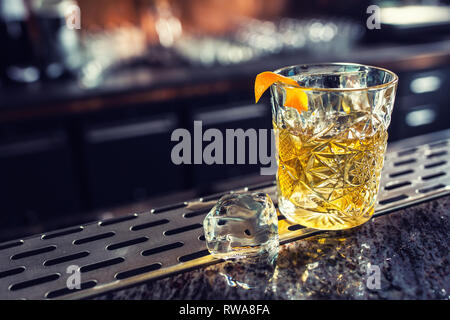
(329, 183)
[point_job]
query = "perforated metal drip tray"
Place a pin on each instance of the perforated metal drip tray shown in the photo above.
(116, 253)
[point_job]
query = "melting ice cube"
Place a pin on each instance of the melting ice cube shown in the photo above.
(242, 225)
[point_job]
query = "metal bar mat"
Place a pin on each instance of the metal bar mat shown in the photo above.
(121, 252)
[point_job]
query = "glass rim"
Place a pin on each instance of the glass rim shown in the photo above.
(394, 80)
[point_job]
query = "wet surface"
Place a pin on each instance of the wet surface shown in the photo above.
(403, 255)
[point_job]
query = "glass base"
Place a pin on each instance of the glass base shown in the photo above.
(323, 221)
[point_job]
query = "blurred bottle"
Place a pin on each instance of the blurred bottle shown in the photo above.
(58, 47)
(18, 62)
(168, 26)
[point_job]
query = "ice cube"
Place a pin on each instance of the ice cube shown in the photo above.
(242, 225)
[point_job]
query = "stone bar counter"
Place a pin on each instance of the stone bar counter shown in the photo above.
(409, 247)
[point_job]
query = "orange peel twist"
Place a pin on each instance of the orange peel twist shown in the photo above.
(295, 96)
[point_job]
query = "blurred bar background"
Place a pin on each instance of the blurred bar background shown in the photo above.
(86, 115)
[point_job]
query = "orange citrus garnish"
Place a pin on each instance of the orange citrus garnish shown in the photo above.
(295, 97)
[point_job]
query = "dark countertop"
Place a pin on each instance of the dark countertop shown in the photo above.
(410, 246)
